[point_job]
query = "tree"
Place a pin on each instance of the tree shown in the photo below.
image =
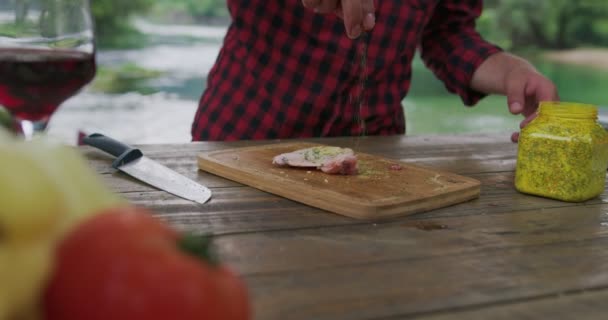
(112, 18)
(553, 24)
(195, 10)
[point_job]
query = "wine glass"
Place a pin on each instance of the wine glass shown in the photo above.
(47, 54)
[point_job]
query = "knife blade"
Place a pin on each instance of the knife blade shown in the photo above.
(132, 161)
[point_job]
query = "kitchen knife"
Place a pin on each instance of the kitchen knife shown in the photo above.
(132, 161)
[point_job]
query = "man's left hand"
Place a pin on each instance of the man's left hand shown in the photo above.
(525, 88)
(516, 78)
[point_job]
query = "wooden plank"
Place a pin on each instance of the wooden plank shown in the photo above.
(234, 210)
(443, 153)
(411, 287)
(502, 255)
(121, 182)
(487, 160)
(456, 163)
(368, 142)
(573, 305)
(244, 209)
(363, 244)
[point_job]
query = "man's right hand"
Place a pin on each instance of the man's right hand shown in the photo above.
(358, 15)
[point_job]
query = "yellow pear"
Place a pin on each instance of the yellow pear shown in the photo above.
(24, 271)
(45, 189)
(31, 201)
(82, 191)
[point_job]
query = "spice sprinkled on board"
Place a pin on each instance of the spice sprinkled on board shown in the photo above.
(368, 170)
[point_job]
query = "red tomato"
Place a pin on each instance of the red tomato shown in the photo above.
(126, 264)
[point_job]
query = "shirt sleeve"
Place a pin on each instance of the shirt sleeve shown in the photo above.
(452, 49)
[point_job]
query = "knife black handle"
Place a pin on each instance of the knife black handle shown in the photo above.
(124, 153)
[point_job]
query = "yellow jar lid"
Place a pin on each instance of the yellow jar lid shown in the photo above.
(568, 109)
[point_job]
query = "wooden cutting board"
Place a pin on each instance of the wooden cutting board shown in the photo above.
(379, 190)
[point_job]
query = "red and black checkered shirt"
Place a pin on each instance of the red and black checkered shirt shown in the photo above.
(286, 72)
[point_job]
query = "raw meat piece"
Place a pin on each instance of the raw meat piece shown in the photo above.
(333, 160)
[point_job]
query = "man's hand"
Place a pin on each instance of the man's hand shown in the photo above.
(525, 88)
(358, 15)
(516, 78)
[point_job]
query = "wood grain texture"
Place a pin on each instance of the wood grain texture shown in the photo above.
(412, 287)
(569, 305)
(504, 255)
(377, 191)
(235, 208)
(411, 239)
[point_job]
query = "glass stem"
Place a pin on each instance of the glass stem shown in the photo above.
(28, 129)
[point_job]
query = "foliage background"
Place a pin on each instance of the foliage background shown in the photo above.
(154, 56)
(113, 17)
(513, 24)
(545, 24)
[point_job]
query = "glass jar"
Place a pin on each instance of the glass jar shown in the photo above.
(563, 153)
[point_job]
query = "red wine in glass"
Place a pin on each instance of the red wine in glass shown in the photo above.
(34, 82)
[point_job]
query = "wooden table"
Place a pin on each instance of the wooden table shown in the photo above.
(503, 256)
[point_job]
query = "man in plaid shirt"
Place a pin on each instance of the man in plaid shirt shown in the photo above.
(289, 68)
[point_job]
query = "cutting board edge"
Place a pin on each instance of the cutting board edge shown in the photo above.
(207, 163)
(447, 199)
(338, 203)
(331, 200)
(380, 211)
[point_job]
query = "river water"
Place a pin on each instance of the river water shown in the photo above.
(163, 112)
(183, 54)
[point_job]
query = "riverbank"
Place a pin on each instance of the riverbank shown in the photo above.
(588, 57)
(183, 55)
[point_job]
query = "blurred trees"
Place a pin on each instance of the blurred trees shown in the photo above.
(513, 24)
(549, 24)
(195, 10)
(112, 24)
(114, 28)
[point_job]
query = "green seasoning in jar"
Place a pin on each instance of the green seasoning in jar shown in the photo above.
(563, 153)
